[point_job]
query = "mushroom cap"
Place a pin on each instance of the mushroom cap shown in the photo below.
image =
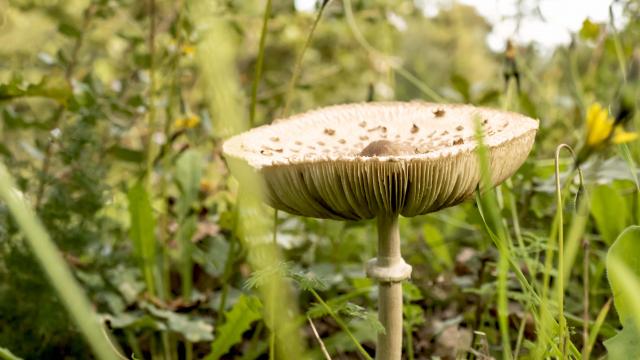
(357, 161)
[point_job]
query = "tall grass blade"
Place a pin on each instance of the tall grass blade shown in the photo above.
(217, 60)
(259, 64)
(142, 232)
(490, 212)
(5, 354)
(54, 266)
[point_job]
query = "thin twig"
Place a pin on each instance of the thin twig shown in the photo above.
(407, 75)
(259, 63)
(315, 333)
(298, 65)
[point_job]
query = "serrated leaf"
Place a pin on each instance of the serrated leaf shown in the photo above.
(307, 281)
(237, 321)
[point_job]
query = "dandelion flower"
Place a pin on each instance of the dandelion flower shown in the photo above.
(189, 121)
(601, 127)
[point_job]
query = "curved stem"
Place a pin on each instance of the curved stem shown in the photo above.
(390, 270)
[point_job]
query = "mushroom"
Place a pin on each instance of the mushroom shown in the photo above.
(360, 179)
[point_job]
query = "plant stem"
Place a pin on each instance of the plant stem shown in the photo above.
(298, 65)
(409, 343)
(562, 321)
(585, 296)
(341, 323)
(259, 63)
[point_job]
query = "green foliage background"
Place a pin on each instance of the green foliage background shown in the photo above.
(93, 97)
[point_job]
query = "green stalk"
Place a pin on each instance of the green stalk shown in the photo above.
(618, 46)
(560, 277)
(62, 280)
(7, 355)
(298, 65)
(407, 75)
(488, 207)
(409, 336)
(341, 323)
(259, 64)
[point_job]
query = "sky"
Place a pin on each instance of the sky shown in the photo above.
(548, 27)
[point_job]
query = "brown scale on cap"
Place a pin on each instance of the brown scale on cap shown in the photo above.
(386, 148)
(329, 131)
(438, 113)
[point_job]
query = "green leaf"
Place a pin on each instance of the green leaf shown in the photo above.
(435, 241)
(462, 86)
(54, 265)
(237, 321)
(5, 354)
(609, 211)
(193, 329)
(125, 154)
(188, 174)
(623, 271)
(142, 231)
(626, 344)
(69, 30)
(55, 88)
(589, 30)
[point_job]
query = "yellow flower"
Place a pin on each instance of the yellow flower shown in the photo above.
(187, 122)
(188, 49)
(602, 127)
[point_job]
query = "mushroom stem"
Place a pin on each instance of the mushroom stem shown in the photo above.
(389, 269)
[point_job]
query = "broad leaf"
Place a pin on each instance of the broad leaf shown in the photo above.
(626, 344)
(609, 211)
(192, 328)
(623, 270)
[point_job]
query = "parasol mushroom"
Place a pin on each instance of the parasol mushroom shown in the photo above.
(381, 160)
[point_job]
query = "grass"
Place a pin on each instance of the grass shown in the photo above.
(540, 290)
